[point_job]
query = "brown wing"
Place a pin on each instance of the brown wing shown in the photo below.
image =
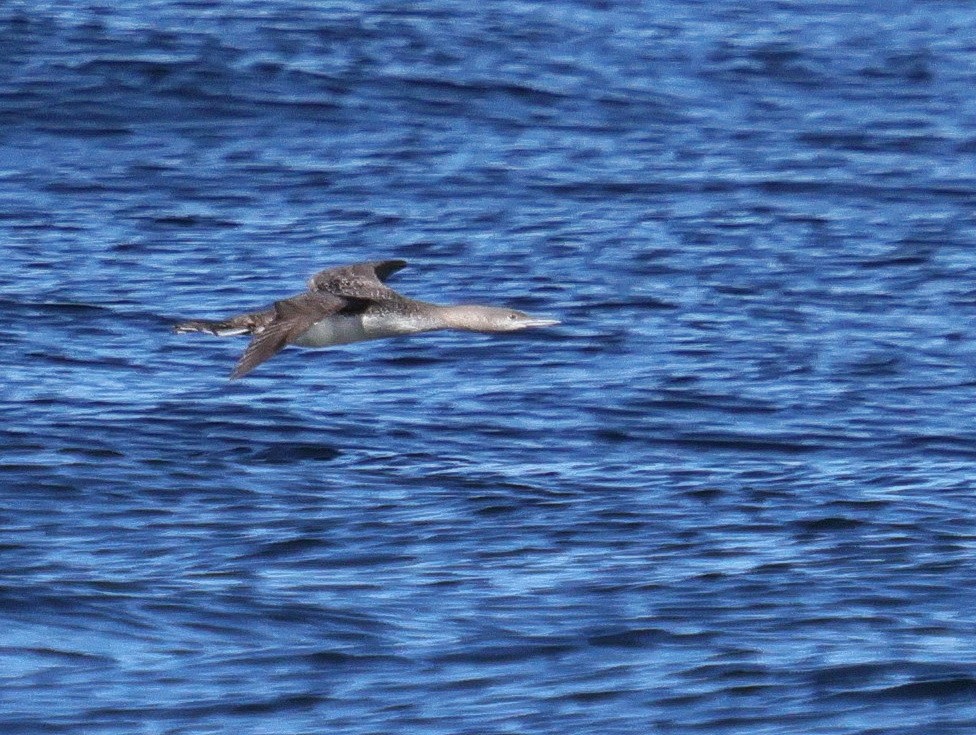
(292, 318)
(359, 281)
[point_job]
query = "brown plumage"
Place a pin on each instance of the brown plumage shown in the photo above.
(350, 304)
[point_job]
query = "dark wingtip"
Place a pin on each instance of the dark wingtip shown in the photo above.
(241, 369)
(386, 268)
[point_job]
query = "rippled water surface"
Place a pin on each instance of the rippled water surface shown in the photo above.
(732, 493)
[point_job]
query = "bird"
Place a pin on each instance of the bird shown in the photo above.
(351, 303)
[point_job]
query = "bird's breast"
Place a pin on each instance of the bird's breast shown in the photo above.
(341, 329)
(334, 330)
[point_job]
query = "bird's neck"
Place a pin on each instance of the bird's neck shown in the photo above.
(418, 316)
(469, 317)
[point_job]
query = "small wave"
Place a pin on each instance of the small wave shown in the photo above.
(948, 688)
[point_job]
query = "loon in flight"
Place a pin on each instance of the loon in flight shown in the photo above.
(351, 304)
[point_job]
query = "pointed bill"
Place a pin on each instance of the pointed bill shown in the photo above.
(539, 321)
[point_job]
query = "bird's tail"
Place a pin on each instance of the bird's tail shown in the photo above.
(242, 324)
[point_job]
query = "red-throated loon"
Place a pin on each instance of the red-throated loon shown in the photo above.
(351, 304)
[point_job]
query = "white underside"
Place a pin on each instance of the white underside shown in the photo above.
(341, 330)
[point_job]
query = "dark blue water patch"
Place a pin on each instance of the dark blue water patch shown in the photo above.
(731, 492)
(869, 680)
(638, 638)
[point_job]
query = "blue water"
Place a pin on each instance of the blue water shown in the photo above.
(732, 493)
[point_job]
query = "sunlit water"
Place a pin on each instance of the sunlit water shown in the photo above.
(731, 493)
